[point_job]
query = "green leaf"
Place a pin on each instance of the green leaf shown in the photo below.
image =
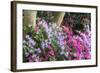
(54, 44)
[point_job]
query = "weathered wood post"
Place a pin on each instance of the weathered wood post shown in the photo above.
(29, 17)
(59, 18)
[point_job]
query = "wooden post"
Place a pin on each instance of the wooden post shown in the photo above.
(59, 18)
(29, 17)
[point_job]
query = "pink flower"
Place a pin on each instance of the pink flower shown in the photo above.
(65, 42)
(66, 29)
(51, 53)
(36, 28)
(50, 47)
(74, 43)
(87, 56)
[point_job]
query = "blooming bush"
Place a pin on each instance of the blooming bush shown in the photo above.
(49, 42)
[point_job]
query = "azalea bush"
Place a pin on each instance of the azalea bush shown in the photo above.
(49, 42)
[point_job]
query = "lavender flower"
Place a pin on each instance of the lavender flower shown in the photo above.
(31, 42)
(38, 50)
(43, 45)
(45, 25)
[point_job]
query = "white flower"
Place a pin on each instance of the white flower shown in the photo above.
(27, 36)
(31, 51)
(30, 46)
(66, 54)
(62, 52)
(54, 25)
(29, 25)
(46, 41)
(60, 29)
(50, 24)
(57, 28)
(62, 47)
(55, 33)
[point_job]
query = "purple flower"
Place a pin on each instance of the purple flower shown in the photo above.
(43, 45)
(45, 25)
(38, 50)
(30, 41)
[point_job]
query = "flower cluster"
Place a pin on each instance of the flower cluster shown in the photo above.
(49, 42)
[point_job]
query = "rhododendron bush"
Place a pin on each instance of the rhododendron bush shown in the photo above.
(48, 41)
